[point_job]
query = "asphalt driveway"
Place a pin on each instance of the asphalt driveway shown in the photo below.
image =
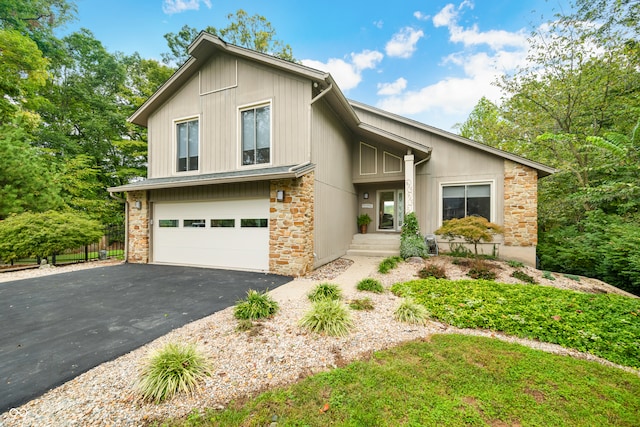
(56, 327)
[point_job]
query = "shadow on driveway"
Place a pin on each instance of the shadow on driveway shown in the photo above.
(58, 326)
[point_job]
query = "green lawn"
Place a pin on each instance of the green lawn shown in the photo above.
(451, 380)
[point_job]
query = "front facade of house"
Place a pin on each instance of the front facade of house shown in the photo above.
(261, 164)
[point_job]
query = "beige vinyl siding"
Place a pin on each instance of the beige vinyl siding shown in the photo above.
(369, 160)
(214, 94)
(243, 190)
(335, 197)
(451, 162)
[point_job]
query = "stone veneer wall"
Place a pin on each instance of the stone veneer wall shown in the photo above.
(520, 205)
(291, 226)
(138, 228)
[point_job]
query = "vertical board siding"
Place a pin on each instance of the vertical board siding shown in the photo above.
(256, 189)
(335, 197)
(212, 95)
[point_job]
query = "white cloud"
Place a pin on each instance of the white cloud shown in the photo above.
(485, 56)
(421, 16)
(378, 24)
(403, 43)
(348, 74)
(393, 88)
(171, 7)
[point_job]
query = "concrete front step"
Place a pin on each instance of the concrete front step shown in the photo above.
(374, 253)
(375, 244)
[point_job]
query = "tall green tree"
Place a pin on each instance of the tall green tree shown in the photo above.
(254, 32)
(27, 182)
(576, 107)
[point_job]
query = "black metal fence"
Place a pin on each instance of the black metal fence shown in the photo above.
(110, 246)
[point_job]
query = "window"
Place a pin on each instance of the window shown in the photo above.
(459, 201)
(168, 223)
(187, 136)
(194, 223)
(226, 223)
(254, 223)
(256, 135)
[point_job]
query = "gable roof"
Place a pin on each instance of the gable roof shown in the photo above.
(207, 45)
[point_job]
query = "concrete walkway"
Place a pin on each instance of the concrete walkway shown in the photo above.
(363, 266)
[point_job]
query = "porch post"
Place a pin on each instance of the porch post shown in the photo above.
(409, 178)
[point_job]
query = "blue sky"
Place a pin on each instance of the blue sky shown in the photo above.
(429, 60)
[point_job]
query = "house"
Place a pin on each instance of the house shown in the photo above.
(263, 164)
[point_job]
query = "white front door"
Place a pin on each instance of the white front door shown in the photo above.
(390, 210)
(226, 234)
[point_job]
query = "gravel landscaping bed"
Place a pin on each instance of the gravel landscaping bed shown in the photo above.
(276, 352)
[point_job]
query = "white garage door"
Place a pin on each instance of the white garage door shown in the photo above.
(227, 234)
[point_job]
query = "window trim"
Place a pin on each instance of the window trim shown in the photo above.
(253, 106)
(492, 195)
(174, 130)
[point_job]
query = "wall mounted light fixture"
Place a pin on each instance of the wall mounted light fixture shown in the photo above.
(280, 196)
(137, 204)
(365, 195)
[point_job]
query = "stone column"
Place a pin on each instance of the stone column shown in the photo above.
(138, 227)
(520, 205)
(291, 226)
(409, 184)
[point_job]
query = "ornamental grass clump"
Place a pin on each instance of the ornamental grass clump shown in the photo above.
(371, 285)
(325, 291)
(257, 305)
(176, 367)
(328, 316)
(361, 304)
(410, 311)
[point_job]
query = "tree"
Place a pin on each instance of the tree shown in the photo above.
(45, 234)
(22, 70)
(253, 32)
(473, 229)
(27, 183)
(487, 125)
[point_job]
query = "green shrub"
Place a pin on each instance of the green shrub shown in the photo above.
(45, 234)
(388, 264)
(413, 246)
(361, 304)
(172, 369)
(515, 264)
(410, 226)
(410, 311)
(481, 269)
(322, 291)
(473, 229)
(547, 275)
(572, 277)
(371, 285)
(520, 275)
(328, 316)
(432, 270)
(606, 325)
(257, 305)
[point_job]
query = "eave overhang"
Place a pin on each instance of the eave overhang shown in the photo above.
(249, 175)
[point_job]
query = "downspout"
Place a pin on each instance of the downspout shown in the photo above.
(126, 224)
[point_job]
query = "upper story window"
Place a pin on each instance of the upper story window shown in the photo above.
(256, 135)
(187, 135)
(459, 201)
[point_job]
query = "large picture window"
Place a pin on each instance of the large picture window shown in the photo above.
(256, 135)
(459, 201)
(187, 136)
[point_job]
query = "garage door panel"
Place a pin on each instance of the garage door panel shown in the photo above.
(217, 246)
